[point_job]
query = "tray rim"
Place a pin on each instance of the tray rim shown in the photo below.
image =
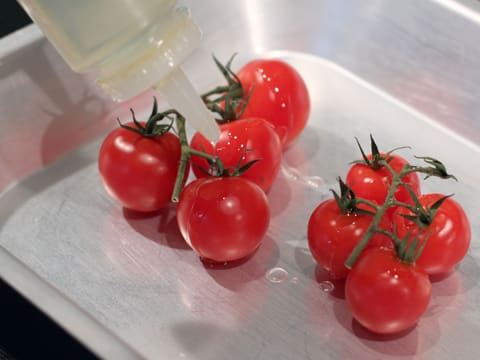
(49, 300)
(45, 297)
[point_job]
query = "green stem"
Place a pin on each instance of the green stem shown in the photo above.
(373, 228)
(184, 158)
(420, 169)
(186, 152)
(404, 205)
(232, 94)
(368, 203)
(201, 154)
(217, 90)
(385, 232)
(214, 107)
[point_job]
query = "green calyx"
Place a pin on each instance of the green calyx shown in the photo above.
(231, 95)
(218, 169)
(347, 201)
(152, 127)
(409, 248)
(423, 216)
(377, 160)
(436, 168)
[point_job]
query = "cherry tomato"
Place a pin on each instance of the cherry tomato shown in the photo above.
(448, 236)
(279, 95)
(332, 235)
(385, 294)
(373, 184)
(245, 140)
(223, 218)
(138, 171)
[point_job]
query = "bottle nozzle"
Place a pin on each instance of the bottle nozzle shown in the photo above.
(181, 95)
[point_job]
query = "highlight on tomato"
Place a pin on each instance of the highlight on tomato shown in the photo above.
(370, 179)
(334, 229)
(223, 218)
(442, 224)
(241, 142)
(277, 93)
(138, 163)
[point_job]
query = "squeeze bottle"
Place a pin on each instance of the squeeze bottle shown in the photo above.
(130, 46)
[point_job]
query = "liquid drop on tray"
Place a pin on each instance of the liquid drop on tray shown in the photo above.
(327, 286)
(276, 275)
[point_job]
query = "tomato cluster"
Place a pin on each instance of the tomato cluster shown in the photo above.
(223, 214)
(386, 238)
(380, 233)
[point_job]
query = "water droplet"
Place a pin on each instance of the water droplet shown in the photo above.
(294, 280)
(327, 286)
(314, 181)
(276, 275)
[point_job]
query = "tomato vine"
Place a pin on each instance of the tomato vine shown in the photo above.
(435, 168)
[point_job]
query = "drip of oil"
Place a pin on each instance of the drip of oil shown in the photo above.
(276, 275)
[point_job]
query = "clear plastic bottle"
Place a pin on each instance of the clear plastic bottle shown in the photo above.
(130, 45)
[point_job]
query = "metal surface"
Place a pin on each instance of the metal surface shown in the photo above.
(393, 69)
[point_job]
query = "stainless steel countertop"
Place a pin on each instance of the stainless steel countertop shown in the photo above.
(128, 287)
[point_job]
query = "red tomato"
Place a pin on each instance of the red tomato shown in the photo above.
(280, 96)
(448, 235)
(332, 235)
(139, 172)
(385, 294)
(223, 218)
(373, 184)
(245, 139)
